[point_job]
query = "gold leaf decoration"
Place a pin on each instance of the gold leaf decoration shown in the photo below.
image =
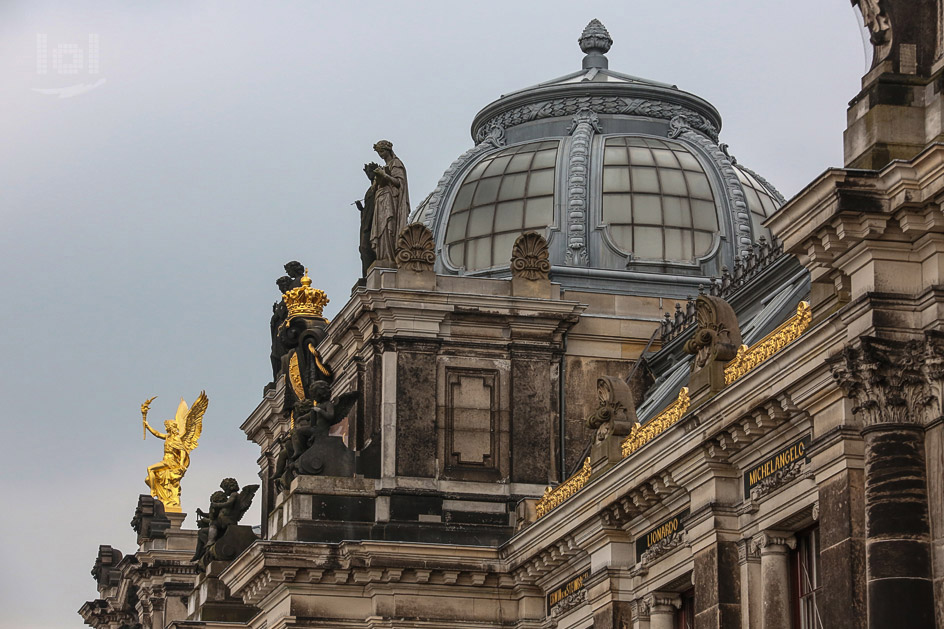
(750, 357)
(554, 498)
(641, 434)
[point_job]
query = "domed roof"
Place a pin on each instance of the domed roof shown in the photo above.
(624, 177)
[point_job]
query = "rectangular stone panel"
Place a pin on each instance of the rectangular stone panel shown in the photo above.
(416, 413)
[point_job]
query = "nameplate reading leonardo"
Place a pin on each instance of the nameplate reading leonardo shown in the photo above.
(571, 587)
(796, 451)
(665, 529)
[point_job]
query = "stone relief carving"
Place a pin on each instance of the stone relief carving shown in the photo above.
(680, 127)
(715, 341)
(663, 546)
(573, 600)
(781, 477)
(747, 552)
(491, 136)
(584, 124)
(890, 381)
(764, 540)
(570, 106)
(529, 257)
(415, 248)
(616, 412)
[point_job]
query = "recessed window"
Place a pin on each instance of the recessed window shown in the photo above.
(503, 196)
(657, 201)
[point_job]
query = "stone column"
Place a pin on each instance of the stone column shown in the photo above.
(887, 381)
(749, 562)
(717, 590)
(775, 578)
(662, 607)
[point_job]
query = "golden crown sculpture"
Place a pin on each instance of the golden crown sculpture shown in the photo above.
(305, 301)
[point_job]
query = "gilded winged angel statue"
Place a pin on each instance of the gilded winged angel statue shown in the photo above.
(182, 435)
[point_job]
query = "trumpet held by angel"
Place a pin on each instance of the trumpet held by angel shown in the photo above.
(183, 433)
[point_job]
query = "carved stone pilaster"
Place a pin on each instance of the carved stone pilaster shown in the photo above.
(886, 379)
(584, 125)
(748, 552)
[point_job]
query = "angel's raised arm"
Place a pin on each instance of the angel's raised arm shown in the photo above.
(144, 411)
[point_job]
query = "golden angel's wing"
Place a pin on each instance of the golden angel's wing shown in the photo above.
(195, 422)
(181, 416)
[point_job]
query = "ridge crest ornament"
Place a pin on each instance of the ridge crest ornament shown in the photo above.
(529, 257)
(415, 250)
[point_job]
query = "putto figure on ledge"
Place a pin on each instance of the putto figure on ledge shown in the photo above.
(183, 433)
(219, 538)
(391, 204)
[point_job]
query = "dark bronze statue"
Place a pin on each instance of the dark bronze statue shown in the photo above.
(294, 270)
(304, 449)
(227, 507)
(367, 218)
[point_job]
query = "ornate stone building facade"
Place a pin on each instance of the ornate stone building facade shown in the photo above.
(616, 381)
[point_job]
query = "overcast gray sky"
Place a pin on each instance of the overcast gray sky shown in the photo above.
(150, 197)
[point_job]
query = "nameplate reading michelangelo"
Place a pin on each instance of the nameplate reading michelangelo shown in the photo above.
(560, 594)
(665, 529)
(796, 451)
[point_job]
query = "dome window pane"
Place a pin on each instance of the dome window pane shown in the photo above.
(509, 216)
(476, 172)
(674, 214)
(615, 155)
(622, 236)
(665, 158)
(456, 229)
(541, 183)
(464, 198)
(617, 209)
(688, 161)
(673, 245)
(698, 187)
(497, 166)
(457, 255)
(704, 215)
(673, 183)
(647, 242)
(616, 179)
(645, 180)
(479, 253)
(519, 163)
(480, 221)
(512, 187)
(641, 157)
(647, 209)
(769, 206)
(486, 192)
(501, 249)
(702, 243)
(545, 159)
(539, 212)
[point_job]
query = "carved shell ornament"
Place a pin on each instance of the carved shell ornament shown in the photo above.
(415, 248)
(529, 257)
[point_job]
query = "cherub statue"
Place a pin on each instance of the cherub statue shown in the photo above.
(311, 419)
(227, 507)
(183, 433)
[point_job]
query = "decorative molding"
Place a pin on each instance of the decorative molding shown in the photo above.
(680, 126)
(663, 546)
(889, 381)
(815, 512)
(769, 541)
(641, 434)
(554, 498)
(492, 137)
(779, 198)
(569, 106)
(529, 257)
(415, 249)
(584, 124)
(750, 357)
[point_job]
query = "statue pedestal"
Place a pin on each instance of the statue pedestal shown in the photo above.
(210, 600)
(325, 508)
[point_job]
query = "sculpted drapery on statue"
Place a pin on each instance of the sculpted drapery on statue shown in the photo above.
(391, 204)
(183, 433)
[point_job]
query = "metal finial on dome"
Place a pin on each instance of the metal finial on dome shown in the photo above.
(595, 41)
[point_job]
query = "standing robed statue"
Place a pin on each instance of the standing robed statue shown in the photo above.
(391, 204)
(183, 433)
